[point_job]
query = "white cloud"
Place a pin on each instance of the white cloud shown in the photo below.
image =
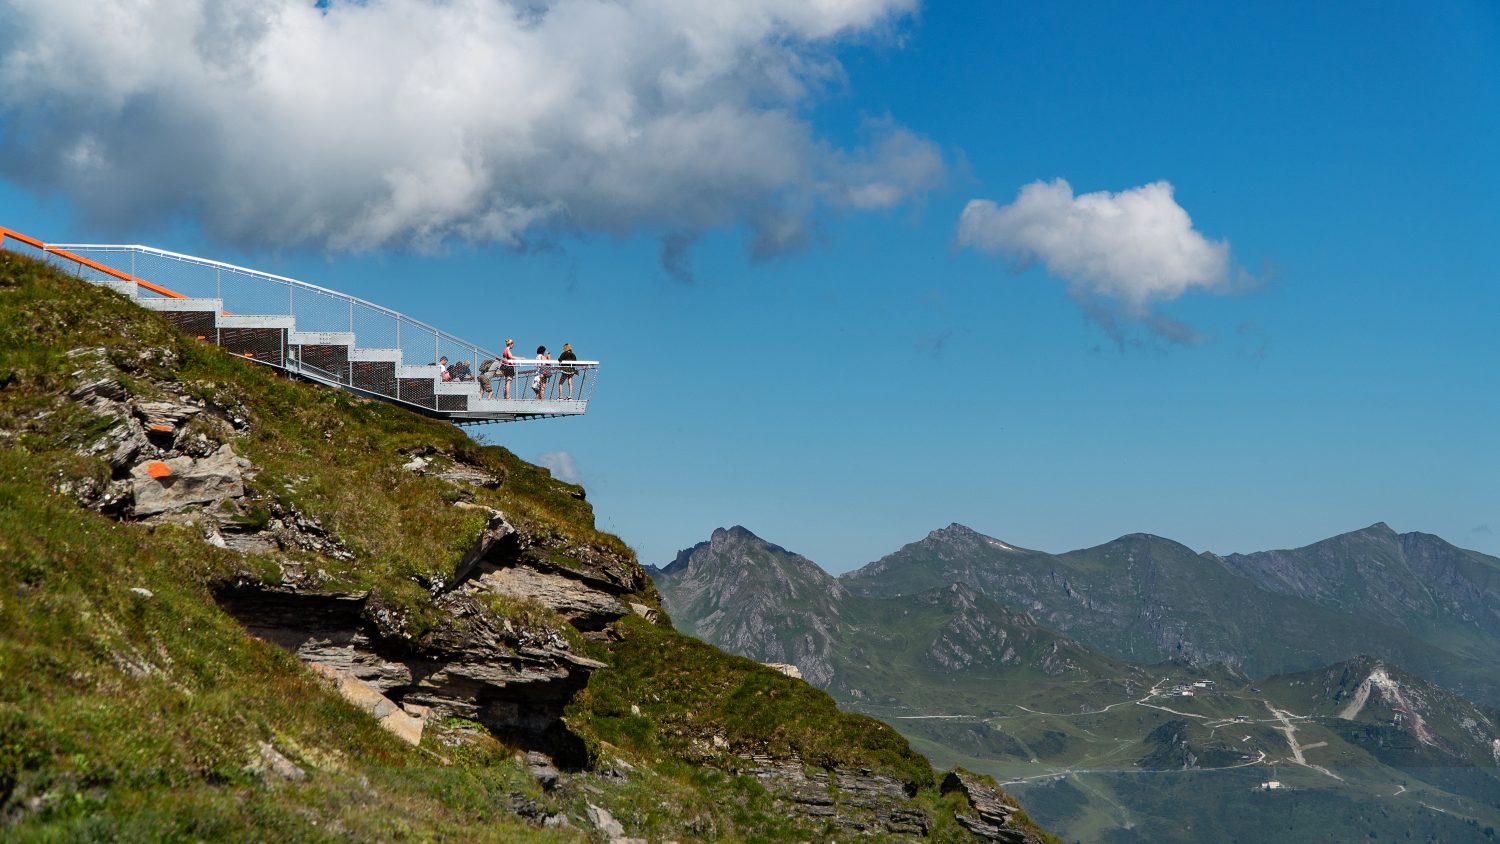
(562, 465)
(389, 122)
(1119, 253)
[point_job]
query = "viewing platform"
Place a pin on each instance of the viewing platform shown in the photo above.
(321, 335)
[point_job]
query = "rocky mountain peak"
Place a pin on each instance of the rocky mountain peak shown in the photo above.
(735, 587)
(737, 535)
(954, 530)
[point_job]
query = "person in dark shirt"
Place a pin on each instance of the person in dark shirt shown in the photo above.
(565, 376)
(460, 372)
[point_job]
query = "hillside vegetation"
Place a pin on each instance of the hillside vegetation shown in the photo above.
(134, 707)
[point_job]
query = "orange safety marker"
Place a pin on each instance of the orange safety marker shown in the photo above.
(158, 469)
(163, 427)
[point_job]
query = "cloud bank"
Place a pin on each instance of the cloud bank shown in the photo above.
(355, 125)
(1120, 254)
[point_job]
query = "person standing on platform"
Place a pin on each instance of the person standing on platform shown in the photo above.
(565, 370)
(507, 366)
(539, 381)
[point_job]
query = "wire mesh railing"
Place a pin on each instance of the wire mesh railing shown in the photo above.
(330, 336)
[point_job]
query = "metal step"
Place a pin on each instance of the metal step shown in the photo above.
(321, 338)
(423, 370)
(376, 355)
(277, 321)
(163, 303)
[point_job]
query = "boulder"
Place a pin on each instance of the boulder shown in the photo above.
(368, 698)
(163, 486)
(276, 763)
(605, 822)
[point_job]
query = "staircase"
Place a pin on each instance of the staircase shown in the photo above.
(321, 335)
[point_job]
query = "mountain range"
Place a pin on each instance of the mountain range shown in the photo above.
(1346, 668)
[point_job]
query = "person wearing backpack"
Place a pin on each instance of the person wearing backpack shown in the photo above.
(487, 371)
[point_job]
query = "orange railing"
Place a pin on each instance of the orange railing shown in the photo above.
(93, 265)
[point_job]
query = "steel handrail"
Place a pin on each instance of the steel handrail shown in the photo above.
(293, 282)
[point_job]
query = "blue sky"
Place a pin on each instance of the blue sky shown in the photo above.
(823, 353)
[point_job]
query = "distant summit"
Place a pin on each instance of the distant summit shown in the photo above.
(755, 598)
(1409, 580)
(947, 555)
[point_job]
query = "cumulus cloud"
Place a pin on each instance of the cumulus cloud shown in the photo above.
(354, 124)
(1119, 253)
(562, 465)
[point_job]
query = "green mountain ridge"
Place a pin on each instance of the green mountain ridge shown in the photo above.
(1145, 598)
(977, 681)
(1416, 581)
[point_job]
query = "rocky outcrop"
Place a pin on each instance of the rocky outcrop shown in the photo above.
(864, 803)
(514, 677)
(992, 816)
(586, 607)
(850, 801)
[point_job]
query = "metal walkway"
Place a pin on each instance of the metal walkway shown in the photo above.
(321, 335)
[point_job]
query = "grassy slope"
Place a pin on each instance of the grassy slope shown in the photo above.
(127, 717)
